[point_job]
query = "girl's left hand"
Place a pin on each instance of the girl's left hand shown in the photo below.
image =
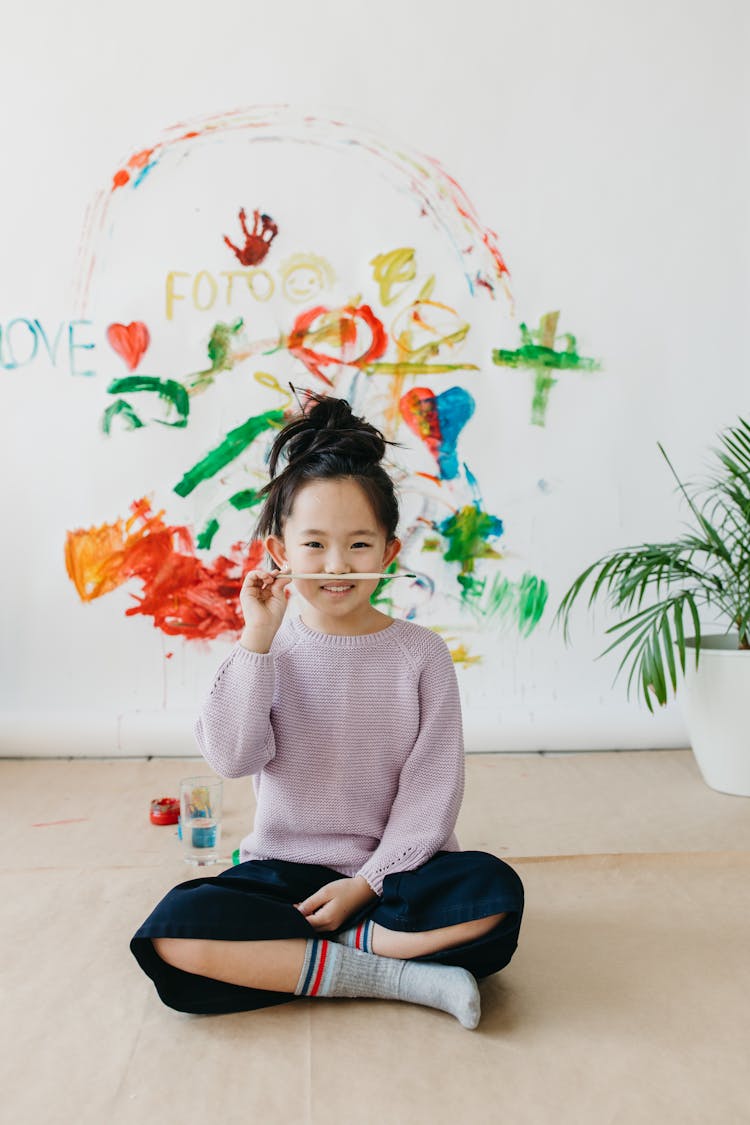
(329, 907)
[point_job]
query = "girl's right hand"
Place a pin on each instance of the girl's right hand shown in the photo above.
(263, 599)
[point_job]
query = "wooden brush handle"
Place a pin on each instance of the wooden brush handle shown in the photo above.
(343, 577)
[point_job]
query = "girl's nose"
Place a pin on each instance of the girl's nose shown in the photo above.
(335, 566)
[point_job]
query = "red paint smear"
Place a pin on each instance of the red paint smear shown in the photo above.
(489, 237)
(338, 328)
(419, 411)
(53, 823)
(184, 596)
(130, 341)
(120, 179)
(141, 159)
(189, 136)
(168, 655)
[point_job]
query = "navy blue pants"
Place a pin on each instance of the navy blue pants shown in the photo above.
(254, 901)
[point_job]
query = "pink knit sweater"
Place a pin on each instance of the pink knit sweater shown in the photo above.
(355, 746)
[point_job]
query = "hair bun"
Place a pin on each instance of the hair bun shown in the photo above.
(327, 425)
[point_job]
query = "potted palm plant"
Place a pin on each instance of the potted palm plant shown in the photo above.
(706, 568)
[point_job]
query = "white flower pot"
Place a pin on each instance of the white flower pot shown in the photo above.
(716, 711)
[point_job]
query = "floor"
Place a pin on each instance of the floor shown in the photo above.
(627, 1000)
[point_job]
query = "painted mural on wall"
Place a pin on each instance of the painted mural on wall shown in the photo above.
(280, 252)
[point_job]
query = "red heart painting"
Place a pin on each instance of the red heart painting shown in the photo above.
(130, 341)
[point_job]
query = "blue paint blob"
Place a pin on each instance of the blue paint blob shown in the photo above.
(454, 408)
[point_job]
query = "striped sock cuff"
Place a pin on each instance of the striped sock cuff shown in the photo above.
(359, 937)
(317, 968)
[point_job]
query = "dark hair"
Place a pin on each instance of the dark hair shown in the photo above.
(326, 441)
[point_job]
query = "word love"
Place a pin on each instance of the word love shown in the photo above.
(23, 339)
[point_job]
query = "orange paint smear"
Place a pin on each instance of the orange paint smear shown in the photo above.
(184, 596)
(141, 159)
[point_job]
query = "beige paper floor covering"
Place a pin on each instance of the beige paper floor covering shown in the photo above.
(628, 1000)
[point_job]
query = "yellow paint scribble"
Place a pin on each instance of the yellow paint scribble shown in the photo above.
(460, 655)
(396, 267)
(423, 328)
(459, 652)
(267, 380)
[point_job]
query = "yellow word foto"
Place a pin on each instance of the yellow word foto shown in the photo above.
(204, 290)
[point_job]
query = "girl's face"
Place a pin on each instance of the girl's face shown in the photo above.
(332, 530)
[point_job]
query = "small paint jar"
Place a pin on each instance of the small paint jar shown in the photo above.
(165, 810)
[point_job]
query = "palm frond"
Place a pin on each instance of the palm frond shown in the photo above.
(709, 565)
(705, 524)
(630, 573)
(652, 644)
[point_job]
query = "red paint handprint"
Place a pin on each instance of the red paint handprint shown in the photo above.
(257, 241)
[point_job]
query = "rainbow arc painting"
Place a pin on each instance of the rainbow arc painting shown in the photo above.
(239, 259)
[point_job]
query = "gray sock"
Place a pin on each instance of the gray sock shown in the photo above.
(330, 969)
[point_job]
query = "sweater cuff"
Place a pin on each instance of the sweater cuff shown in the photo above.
(374, 873)
(374, 882)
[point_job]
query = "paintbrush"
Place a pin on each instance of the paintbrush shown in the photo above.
(335, 577)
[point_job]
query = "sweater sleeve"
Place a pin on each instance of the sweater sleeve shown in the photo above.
(233, 730)
(431, 782)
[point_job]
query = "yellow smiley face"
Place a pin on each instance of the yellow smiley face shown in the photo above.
(303, 276)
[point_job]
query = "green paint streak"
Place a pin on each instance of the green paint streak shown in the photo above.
(247, 498)
(382, 595)
(538, 352)
(167, 389)
(533, 355)
(240, 501)
(121, 407)
(206, 536)
(431, 544)
(220, 344)
(235, 443)
(467, 531)
(219, 353)
(521, 602)
(532, 598)
(543, 384)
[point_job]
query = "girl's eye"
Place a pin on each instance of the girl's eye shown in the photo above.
(315, 544)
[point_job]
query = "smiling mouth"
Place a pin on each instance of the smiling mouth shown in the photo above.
(338, 588)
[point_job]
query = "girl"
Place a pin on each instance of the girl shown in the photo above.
(352, 882)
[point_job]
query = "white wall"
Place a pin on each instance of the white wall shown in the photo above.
(607, 146)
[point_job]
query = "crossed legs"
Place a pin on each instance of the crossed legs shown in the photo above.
(276, 965)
